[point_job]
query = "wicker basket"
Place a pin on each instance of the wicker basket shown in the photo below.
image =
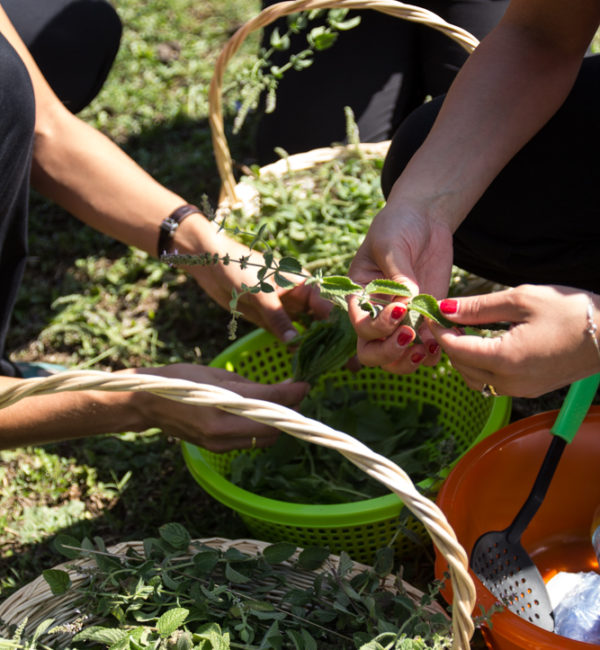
(35, 602)
(241, 195)
(288, 420)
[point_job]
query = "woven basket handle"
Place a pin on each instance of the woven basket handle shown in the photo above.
(411, 13)
(288, 420)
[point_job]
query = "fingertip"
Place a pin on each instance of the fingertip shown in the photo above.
(289, 335)
(417, 357)
(432, 347)
(449, 306)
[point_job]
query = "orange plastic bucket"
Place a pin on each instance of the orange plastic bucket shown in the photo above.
(487, 487)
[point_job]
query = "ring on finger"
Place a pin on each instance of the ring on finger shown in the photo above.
(489, 391)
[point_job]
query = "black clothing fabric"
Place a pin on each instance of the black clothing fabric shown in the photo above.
(383, 69)
(539, 220)
(74, 43)
(17, 108)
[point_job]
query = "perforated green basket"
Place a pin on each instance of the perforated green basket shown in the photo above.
(358, 528)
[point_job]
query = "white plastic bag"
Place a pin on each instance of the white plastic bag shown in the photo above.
(577, 615)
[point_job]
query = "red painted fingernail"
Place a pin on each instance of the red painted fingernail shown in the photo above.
(433, 348)
(398, 312)
(449, 306)
(417, 357)
(404, 338)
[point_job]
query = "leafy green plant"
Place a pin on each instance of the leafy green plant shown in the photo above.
(299, 472)
(263, 76)
(180, 594)
(317, 216)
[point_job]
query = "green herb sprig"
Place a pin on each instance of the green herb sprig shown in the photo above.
(263, 77)
(180, 595)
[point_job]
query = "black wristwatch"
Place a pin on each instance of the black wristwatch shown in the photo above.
(169, 226)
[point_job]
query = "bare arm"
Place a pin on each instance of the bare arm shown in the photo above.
(506, 91)
(80, 414)
(86, 173)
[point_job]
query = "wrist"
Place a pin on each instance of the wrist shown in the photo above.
(170, 226)
(130, 410)
(123, 410)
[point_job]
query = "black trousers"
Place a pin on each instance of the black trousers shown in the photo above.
(74, 43)
(382, 69)
(539, 221)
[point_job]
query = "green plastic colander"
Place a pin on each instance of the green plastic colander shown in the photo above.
(358, 528)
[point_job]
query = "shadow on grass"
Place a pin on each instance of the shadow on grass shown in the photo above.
(159, 488)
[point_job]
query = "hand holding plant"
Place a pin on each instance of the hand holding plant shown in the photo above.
(272, 310)
(417, 252)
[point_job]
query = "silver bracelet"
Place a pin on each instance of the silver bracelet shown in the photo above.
(592, 328)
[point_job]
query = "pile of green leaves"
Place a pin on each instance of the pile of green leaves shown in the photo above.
(301, 472)
(187, 596)
(319, 216)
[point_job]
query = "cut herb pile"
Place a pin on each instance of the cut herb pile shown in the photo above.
(300, 472)
(174, 594)
(319, 216)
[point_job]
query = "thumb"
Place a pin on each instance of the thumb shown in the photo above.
(279, 323)
(478, 310)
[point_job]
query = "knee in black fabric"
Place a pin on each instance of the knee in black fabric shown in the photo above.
(74, 43)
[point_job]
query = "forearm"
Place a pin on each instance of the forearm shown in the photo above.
(83, 171)
(66, 415)
(507, 90)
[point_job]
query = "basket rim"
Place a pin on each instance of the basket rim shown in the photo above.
(325, 516)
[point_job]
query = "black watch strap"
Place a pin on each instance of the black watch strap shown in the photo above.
(170, 225)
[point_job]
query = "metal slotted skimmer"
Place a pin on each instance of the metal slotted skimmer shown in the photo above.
(498, 558)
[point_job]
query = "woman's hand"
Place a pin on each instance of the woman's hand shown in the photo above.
(208, 427)
(407, 248)
(272, 311)
(546, 347)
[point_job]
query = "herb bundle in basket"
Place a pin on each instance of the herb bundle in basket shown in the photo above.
(174, 592)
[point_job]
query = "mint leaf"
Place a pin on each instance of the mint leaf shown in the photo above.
(290, 265)
(280, 552)
(388, 287)
(99, 634)
(172, 619)
(339, 285)
(235, 576)
(62, 542)
(313, 557)
(175, 535)
(428, 306)
(58, 580)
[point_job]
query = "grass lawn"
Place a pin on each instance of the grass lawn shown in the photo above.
(100, 304)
